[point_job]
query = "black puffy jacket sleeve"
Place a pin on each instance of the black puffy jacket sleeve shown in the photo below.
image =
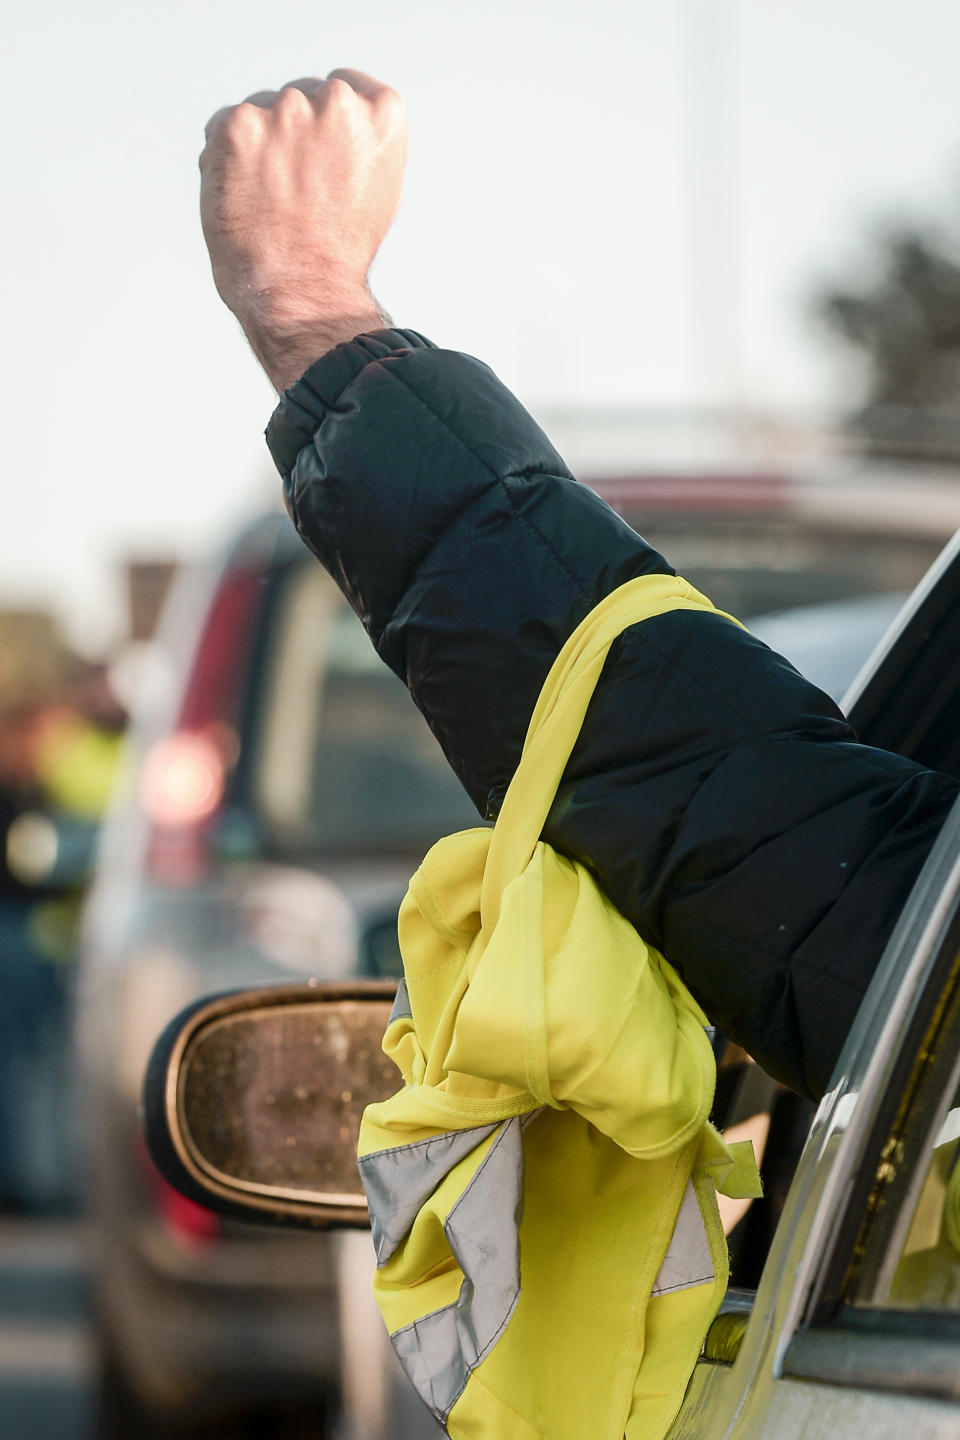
(722, 800)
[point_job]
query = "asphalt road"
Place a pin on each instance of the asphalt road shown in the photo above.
(47, 1361)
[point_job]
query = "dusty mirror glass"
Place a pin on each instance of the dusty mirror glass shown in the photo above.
(270, 1100)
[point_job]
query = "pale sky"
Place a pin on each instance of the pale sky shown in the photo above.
(621, 202)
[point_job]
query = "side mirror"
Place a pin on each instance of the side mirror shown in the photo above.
(252, 1100)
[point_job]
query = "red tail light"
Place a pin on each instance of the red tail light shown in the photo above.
(183, 779)
(184, 1219)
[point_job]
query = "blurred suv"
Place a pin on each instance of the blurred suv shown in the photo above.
(279, 790)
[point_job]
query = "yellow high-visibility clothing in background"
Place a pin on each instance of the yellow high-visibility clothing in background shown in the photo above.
(543, 1189)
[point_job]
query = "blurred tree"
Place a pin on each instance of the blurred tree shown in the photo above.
(907, 329)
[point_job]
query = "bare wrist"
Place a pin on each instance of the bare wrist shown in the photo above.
(287, 339)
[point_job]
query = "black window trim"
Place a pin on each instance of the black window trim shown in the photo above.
(880, 703)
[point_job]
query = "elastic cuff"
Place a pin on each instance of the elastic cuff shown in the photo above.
(302, 407)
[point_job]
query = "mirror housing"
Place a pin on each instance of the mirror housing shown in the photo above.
(252, 1100)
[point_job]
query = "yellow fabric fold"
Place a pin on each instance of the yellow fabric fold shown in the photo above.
(532, 996)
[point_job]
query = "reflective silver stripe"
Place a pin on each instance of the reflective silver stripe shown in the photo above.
(687, 1261)
(402, 1009)
(398, 1181)
(439, 1351)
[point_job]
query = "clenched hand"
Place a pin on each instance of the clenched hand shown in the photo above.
(298, 188)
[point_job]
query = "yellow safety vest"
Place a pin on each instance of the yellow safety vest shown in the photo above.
(543, 1188)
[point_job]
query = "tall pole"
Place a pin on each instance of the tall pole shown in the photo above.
(710, 71)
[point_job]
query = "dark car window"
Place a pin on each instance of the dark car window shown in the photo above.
(910, 703)
(342, 759)
(754, 565)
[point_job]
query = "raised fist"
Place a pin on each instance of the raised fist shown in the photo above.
(299, 187)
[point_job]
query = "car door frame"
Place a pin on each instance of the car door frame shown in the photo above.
(786, 1352)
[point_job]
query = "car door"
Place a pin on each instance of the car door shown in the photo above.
(856, 1321)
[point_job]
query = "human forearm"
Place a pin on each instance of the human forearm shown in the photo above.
(286, 347)
(709, 775)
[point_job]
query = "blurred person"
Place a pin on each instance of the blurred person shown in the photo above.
(31, 988)
(56, 768)
(62, 752)
(721, 801)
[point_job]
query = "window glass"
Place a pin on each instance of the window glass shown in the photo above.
(343, 759)
(926, 1272)
(754, 566)
(908, 1256)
